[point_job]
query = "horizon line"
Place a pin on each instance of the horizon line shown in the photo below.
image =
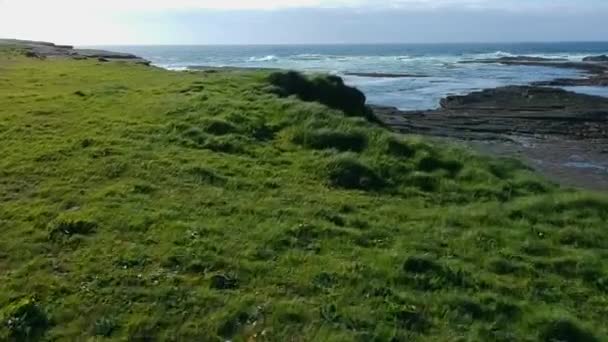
(357, 43)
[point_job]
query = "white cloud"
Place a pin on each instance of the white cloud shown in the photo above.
(63, 6)
(153, 5)
(101, 21)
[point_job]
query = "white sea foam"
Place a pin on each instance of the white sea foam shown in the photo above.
(444, 74)
(269, 58)
(172, 67)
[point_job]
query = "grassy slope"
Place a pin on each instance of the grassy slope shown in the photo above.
(139, 203)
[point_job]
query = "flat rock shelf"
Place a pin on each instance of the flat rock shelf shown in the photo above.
(561, 133)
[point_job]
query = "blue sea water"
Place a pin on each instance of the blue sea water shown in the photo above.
(437, 65)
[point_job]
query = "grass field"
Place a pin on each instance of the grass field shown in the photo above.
(146, 205)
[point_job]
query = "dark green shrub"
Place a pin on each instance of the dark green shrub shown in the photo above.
(105, 327)
(328, 90)
(423, 181)
(564, 330)
(411, 320)
(324, 280)
(71, 227)
(399, 148)
(355, 141)
(421, 264)
(434, 163)
(218, 127)
(349, 173)
(224, 282)
(426, 274)
(23, 320)
(504, 266)
(469, 308)
(260, 130)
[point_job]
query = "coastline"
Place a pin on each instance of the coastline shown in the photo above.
(561, 134)
(228, 206)
(534, 133)
(42, 50)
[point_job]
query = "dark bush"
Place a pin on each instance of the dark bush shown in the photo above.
(426, 274)
(504, 266)
(349, 173)
(399, 148)
(434, 163)
(71, 227)
(23, 320)
(469, 308)
(412, 320)
(328, 90)
(224, 282)
(423, 181)
(564, 330)
(416, 264)
(105, 327)
(218, 127)
(355, 141)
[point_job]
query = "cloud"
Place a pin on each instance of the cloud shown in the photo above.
(59, 7)
(155, 5)
(298, 21)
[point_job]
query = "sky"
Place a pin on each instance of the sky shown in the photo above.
(110, 22)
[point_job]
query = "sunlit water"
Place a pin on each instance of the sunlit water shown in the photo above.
(438, 63)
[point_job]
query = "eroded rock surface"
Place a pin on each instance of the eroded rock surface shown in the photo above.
(595, 66)
(563, 134)
(36, 49)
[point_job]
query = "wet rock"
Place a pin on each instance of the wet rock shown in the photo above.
(601, 58)
(525, 98)
(104, 54)
(542, 125)
(498, 114)
(597, 66)
(597, 81)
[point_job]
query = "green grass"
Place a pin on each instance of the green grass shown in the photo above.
(142, 204)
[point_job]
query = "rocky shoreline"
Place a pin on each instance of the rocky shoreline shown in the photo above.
(561, 133)
(596, 68)
(44, 50)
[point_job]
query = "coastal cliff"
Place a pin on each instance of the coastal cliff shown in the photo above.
(140, 204)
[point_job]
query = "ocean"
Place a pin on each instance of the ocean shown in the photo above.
(436, 66)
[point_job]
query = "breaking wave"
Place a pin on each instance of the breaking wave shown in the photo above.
(269, 58)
